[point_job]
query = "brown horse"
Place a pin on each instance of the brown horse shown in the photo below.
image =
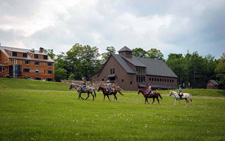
(105, 93)
(153, 95)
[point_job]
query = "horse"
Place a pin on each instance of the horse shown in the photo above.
(88, 90)
(153, 95)
(105, 93)
(184, 96)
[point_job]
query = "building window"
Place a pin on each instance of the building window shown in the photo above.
(37, 78)
(26, 70)
(24, 54)
(49, 72)
(37, 63)
(27, 62)
(140, 78)
(131, 82)
(49, 64)
(112, 71)
(150, 79)
(45, 57)
(37, 71)
(44, 71)
(0, 68)
(14, 53)
(172, 81)
(140, 70)
(35, 55)
(49, 79)
(122, 80)
(102, 79)
(3, 69)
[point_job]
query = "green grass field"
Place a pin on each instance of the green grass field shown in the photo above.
(38, 110)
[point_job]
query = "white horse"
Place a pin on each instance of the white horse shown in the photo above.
(177, 97)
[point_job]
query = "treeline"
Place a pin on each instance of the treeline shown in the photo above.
(192, 70)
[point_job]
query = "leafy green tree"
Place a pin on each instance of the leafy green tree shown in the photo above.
(220, 70)
(139, 52)
(50, 53)
(83, 60)
(155, 54)
(60, 74)
(110, 50)
(71, 77)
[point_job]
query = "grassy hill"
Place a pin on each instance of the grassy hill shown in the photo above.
(39, 110)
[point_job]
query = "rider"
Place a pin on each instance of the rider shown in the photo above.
(83, 83)
(180, 91)
(149, 89)
(108, 86)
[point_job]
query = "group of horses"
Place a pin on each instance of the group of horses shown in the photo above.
(154, 95)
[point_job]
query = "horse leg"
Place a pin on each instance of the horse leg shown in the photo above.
(187, 101)
(93, 96)
(116, 98)
(104, 98)
(87, 96)
(147, 100)
(108, 98)
(175, 102)
(179, 102)
(153, 100)
(158, 100)
(80, 96)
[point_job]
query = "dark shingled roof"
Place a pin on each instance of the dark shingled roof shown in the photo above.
(123, 63)
(153, 67)
(214, 82)
(125, 49)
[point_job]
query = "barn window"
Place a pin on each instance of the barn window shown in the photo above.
(140, 70)
(140, 78)
(122, 80)
(112, 71)
(102, 79)
(14, 53)
(49, 64)
(0, 68)
(131, 82)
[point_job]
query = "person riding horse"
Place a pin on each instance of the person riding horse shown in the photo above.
(180, 92)
(149, 89)
(108, 87)
(83, 83)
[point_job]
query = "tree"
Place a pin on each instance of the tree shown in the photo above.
(83, 60)
(139, 52)
(155, 54)
(60, 74)
(110, 50)
(50, 53)
(220, 70)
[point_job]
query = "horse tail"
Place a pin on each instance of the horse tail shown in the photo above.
(191, 98)
(94, 93)
(160, 96)
(120, 92)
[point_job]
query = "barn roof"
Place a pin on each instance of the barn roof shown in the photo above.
(214, 82)
(153, 66)
(125, 48)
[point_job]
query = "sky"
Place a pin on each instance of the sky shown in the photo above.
(171, 26)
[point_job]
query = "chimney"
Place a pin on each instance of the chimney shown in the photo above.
(41, 50)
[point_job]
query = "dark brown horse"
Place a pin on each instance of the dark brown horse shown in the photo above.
(153, 95)
(105, 93)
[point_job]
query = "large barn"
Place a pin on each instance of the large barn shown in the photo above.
(131, 72)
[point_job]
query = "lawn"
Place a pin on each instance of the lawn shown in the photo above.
(38, 110)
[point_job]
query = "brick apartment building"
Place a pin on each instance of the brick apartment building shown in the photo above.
(25, 63)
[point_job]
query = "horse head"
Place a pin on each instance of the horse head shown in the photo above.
(171, 93)
(71, 86)
(139, 91)
(99, 88)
